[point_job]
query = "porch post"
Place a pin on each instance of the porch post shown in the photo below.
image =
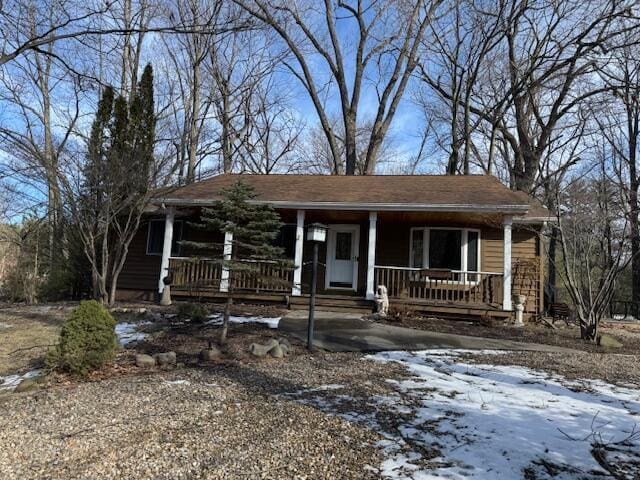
(296, 289)
(371, 255)
(226, 255)
(166, 246)
(506, 279)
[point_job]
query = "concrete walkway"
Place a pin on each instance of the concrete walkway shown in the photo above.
(344, 332)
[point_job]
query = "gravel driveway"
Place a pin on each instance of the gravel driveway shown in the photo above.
(217, 422)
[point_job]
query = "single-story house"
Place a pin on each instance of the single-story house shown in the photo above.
(449, 245)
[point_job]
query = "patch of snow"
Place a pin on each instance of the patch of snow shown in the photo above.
(12, 381)
(499, 421)
(177, 382)
(216, 319)
(128, 333)
(492, 422)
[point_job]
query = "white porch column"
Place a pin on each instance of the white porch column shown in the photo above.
(506, 279)
(371, 255)
(166, 246)
(296, 290)
(226, 255)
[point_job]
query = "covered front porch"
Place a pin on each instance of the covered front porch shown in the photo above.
(444, 262)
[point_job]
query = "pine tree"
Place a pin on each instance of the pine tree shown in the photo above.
(117, 181)
(254, 228)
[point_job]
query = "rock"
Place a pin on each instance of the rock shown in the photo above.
(210, 354)
(607, 341)
(145, 361)
(165, 359)
(261, 350)
(285, 349)
(142, 311)
(277, 352)
(26, 385)
(284, 342)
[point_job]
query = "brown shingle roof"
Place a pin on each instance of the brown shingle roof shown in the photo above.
(398, 192)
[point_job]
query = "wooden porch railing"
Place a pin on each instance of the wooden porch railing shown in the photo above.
(195, 273)
(441, 286)
(199, 274)
(270, 277)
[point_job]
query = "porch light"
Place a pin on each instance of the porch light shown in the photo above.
(317, 232)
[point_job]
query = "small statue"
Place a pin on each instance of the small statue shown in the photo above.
(382, 301)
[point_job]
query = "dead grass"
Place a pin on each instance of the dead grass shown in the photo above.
(27, 332)
(562, 336)
(616, 369)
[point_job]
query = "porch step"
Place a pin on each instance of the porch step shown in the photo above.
(333, 303)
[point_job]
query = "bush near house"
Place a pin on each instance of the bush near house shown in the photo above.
(87, 340)
(195, 312)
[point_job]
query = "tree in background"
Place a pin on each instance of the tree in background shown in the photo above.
(115, 183)
(254, 228)
(592, 238)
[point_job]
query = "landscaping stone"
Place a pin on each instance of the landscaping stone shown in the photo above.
(276, 352)
(607, 341)
(165, 359)
(210, 354)
(145, 361)
(260, 350)
(26, 385)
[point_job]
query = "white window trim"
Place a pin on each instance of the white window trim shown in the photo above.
(162, 220)
(464, 245)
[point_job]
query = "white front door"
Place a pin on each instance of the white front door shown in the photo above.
(342, 256)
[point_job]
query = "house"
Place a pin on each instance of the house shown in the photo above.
(449, 245)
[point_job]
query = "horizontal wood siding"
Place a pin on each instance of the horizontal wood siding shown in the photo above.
(140, 271)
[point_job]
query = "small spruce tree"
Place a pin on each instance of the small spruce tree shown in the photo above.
(254, 228)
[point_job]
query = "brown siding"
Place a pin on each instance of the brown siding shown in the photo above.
(140, 271)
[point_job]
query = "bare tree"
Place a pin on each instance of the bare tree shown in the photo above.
(618, 119)
(273, 135)
(386, 39)
(536, 78)
(593, 254)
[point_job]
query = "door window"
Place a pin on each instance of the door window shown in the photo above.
(343, 245)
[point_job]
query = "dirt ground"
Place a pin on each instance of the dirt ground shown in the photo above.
(563, 336)
(236, 417)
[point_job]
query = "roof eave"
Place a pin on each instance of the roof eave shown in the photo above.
(404, 207)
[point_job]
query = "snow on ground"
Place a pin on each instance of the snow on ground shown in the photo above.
(128, 333)
(12, 381)
(458, 420)
(216, 319)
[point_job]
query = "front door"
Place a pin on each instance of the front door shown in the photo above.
(342, 256)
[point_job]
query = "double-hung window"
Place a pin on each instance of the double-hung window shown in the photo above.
(456, 249)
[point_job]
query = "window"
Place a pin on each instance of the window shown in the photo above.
(286, 240)
(343, 245)
(155, 237)
(445, 248)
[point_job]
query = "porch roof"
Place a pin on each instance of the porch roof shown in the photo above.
(462, 193)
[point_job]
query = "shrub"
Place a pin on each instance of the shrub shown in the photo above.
(87, 340)
(196, 312)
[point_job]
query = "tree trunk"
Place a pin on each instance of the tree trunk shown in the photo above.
(193, 127)
(225, 319)
(551, 268)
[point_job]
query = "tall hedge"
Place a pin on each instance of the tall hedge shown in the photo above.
(87, 340)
